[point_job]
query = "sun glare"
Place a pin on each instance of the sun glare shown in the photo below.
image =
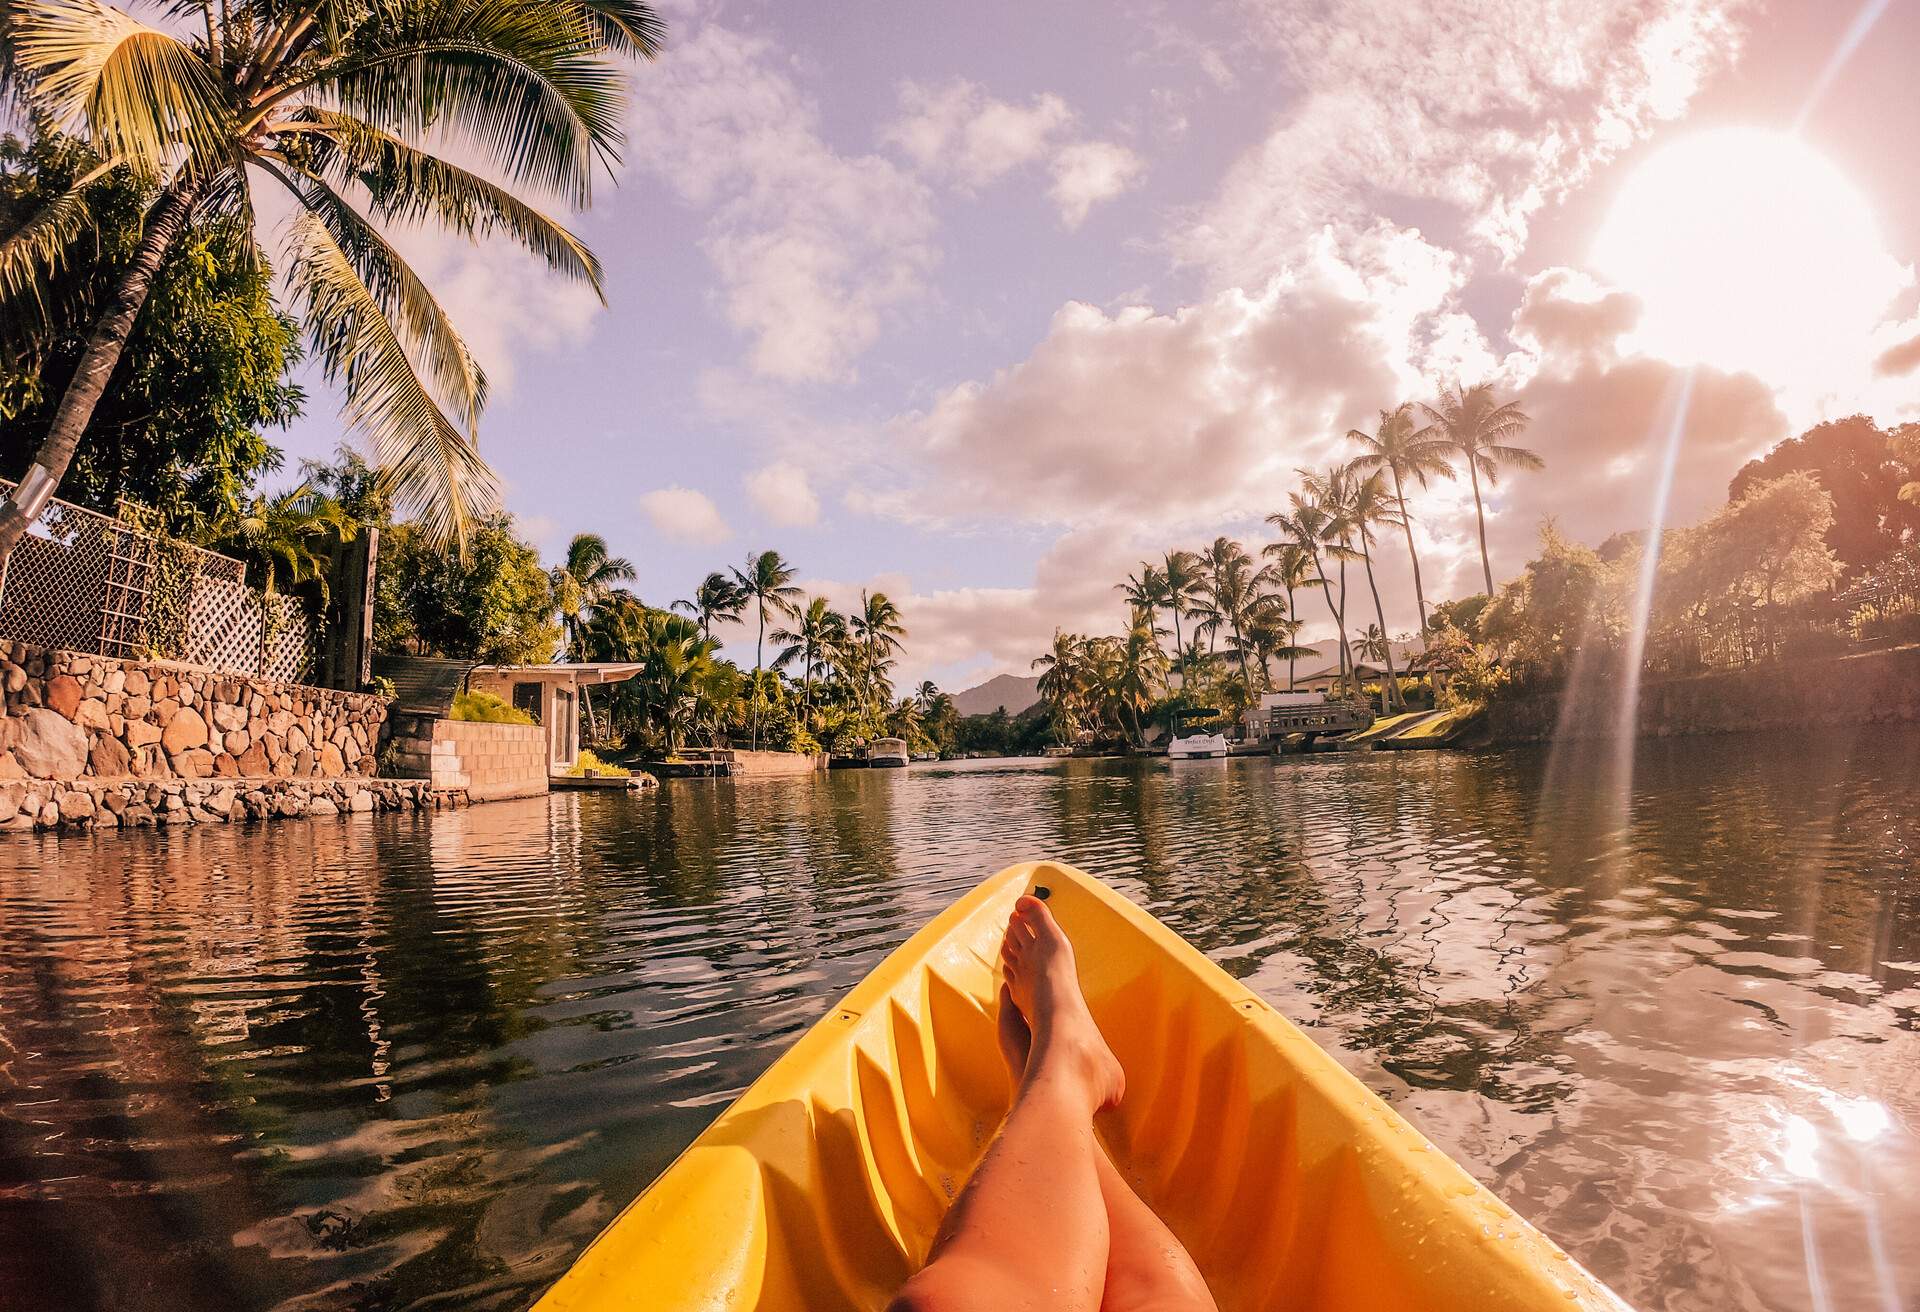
(1749, 250)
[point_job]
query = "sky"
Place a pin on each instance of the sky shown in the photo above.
(982, 305)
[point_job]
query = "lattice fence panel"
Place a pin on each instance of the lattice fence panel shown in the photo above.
(84, 581)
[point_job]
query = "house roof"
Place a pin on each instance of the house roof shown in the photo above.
(580, 672)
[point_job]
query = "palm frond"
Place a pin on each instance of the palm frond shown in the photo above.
(627, 27)
(404, 299)
(36, 248)
(525, 83)
(140, 94)
(427, 465)
(407, 184)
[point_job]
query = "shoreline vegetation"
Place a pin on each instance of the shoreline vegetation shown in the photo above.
(1815, 553)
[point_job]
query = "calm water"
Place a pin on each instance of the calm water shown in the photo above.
(413, 1063)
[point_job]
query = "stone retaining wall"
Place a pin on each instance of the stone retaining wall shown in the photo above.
(136, 803)
(1865, 688)
(752, 764)
(75, 716)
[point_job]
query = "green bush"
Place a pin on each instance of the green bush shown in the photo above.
(488, 709)
(587, 761)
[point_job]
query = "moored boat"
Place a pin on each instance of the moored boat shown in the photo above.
(1291, 1184)
(887, 753)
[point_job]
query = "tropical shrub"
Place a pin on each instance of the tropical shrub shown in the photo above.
(587, 763)
(486, 708)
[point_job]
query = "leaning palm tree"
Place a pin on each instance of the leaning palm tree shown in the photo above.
(1317, 525)
(329, 101)
(767, 585)
(1398, 446)
(1146, 592)
(1469, 424)
(1062, 679)
(717, 598)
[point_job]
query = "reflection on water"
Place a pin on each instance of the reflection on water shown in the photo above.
(418, 1062)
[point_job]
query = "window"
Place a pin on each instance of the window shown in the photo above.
(526, 697)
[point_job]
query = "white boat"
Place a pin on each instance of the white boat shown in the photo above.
(1185, 746)
(887, 754)
(1197, 747)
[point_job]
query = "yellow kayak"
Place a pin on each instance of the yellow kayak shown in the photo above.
(1291, 1184)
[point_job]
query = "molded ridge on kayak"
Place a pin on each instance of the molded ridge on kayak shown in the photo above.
(1292, 1185)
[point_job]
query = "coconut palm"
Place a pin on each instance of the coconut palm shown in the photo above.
(1271, 633)
(1138, 672)
(1290, 567)
(1318, 526)
(1468, 423)
(1407, 451)
(1233, 587)
(1368, 504)
(1062, 681)
(816, 630)
(717, 598)
(583, 582)
(329, 102)
(1180, 579)
(876, 631)
(929, 694)
(1146, 592)
(767, 585)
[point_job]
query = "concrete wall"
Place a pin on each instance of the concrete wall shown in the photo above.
(487, 762)
(752, 764)
(74, 716)
(1867, 688)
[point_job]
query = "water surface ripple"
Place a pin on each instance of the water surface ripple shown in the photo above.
(1667, 1008)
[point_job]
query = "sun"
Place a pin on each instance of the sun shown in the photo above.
(1749, 250)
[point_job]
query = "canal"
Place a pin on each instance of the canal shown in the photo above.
(1668, 1007)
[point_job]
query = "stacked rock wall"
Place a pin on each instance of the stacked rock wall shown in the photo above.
(72, 716)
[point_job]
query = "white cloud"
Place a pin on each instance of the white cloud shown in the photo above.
(814, 249)
(782, 493)
(1196, 415)
(1088, 172)
(683, 514)
(1493, 108)
(959, 134)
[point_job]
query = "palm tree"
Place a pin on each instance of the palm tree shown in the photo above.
(1407, 452)
(1292, 568)
(1180, 577)
(877, 629)
(1317, 522)
(583, 583)
(1062, 674)
(816, 628)
(1469, 424)
(1270, 632)
(929, 694)
(1139, 670)
(1146, 592)
(1368, 505)
(717, 598)
(767, 585)
(290, 538)
(328, 101)
(1233, 587)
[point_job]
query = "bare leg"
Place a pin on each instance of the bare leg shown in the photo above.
(1029, 1231)
(1147, 1268)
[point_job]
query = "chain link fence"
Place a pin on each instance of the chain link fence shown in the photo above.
(83, 581)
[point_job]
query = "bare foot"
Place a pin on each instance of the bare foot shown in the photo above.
(1066, 1045)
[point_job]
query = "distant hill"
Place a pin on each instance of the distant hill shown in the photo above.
(1008, 690)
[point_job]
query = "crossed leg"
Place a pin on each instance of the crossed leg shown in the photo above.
(1047, 1222)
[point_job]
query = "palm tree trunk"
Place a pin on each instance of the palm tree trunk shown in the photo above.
(1339, 620)
(1392, 690)
(1177, 647)
(97, 360)
(1346, 651)
(1406, 522)
(758, 637)
(1480, 515)
(1294, 637)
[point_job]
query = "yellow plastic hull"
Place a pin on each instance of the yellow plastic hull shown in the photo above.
(1293, 1186)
